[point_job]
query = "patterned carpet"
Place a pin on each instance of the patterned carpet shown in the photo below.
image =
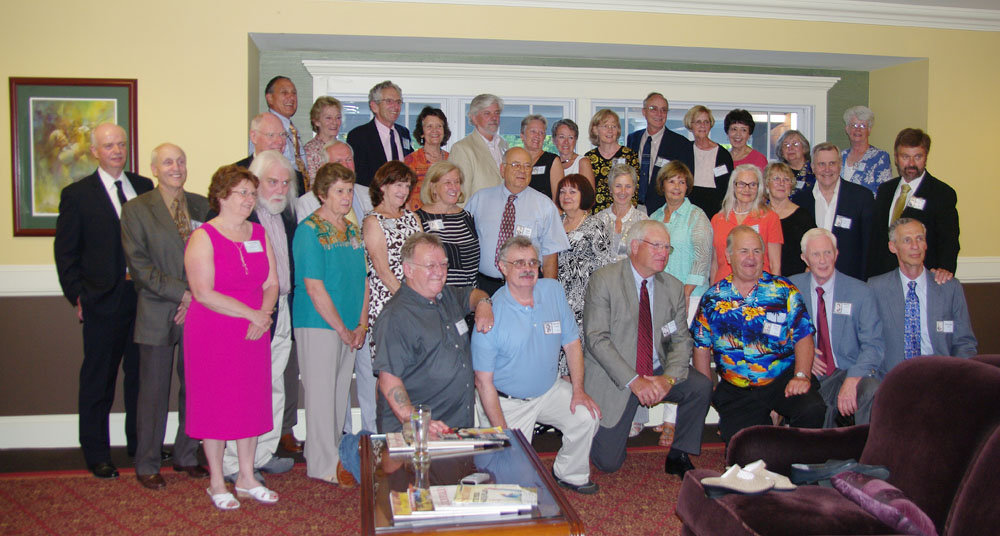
(637, 500)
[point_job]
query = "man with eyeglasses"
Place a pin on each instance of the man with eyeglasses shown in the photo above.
(514, 209)
(756, 328)
(479, 154)
(638, 348)
(656, 146)
(267, 134)
(380, 140)
(423, 342)
(842, 207)
(516, 364)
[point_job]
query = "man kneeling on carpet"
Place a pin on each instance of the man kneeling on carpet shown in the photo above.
(516, 364)
(638, 350)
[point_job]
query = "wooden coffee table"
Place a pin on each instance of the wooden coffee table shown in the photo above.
(515, 464)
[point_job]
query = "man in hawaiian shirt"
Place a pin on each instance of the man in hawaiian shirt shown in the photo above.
(756, 328)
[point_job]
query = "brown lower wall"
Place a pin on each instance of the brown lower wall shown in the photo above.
(42, 349)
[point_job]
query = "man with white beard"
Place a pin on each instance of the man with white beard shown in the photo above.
(275, 214)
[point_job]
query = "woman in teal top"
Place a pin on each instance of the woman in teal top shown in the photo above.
(330, 316)
(689, 228)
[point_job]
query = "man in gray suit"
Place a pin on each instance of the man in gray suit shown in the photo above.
(155, 229)
(637, 350)
(920, 316)
(849, 347)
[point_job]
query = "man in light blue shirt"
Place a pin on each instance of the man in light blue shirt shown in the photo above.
(516, 364)
(530, 214)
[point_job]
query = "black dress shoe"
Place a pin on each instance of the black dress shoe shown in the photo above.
(104, 470)
(165, 455)
(193, 471)
(153, 481)
(678, 466)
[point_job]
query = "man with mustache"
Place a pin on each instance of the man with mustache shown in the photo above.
(516, 364)
(479, 154)
(919, 195)
(756, 328)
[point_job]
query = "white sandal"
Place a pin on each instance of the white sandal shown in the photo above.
(259, 493)
(223, 501)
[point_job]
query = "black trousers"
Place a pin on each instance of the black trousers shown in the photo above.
(742, 407)
(107, 344)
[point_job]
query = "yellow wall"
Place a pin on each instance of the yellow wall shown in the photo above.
(191, 62)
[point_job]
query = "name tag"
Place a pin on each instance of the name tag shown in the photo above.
(435, 225)
(755, 227)
(842, 308)
(462, 327)
(721, 170)
(253, 246)
(946, 326)
(620, 160)
(574, 236)
(917, 203)
(777, 318)
(842, 222)
(538, 170)
(552, 328)
(800, 185)
(522, 230)
(660, 161)
(773, 330)
(406, 144)
(669, 328)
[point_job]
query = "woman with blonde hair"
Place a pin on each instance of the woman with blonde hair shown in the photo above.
(746, 204)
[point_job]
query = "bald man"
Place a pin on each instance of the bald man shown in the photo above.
(91, 266)
(155, 229)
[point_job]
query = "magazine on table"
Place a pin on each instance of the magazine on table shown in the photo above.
(460, 439)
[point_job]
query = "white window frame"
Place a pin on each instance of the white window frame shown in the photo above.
(581, 85)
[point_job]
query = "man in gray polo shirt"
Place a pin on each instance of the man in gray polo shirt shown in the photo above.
(423, 354)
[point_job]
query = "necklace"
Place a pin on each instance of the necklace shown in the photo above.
(246, 271)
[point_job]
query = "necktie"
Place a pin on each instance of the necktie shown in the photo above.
(298, 156)
(121, 193)
(506, 227)
(392, 143)
(911, 323)
(644, 349)
(897, 210)
(644, 168)
(824, 332)
(181, 219)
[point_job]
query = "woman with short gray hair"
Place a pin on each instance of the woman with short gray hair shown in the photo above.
(545, 171)
(622, 182)
(863, 163)
(565, 132)
(793, 149)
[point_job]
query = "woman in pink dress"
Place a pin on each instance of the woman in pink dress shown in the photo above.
(231, 272)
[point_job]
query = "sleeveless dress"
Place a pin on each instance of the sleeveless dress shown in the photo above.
(574, 167)
(227, 377)
(396, 231)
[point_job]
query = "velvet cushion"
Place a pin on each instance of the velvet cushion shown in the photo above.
(975, 512)
(885, 502)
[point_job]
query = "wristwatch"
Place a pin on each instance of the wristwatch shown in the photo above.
(801, 375)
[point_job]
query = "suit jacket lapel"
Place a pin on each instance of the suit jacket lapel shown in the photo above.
(935, 297)
(102, 192)
(164, 220)
(840, 322)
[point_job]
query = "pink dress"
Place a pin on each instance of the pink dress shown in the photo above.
(228, 378)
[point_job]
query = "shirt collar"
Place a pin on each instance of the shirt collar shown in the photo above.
(827, 287)
(921, 279)
(284, 120)
(638, 277)
(107, 179)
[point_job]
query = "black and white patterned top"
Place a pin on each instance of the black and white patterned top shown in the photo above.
(396, 231)
(461, 243)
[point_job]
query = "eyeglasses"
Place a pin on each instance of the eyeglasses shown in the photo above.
(246, 194)
(747, 185)
(659, 247)
(524, 263)
(390, 102)
(526, 166)
(272, 135)
(789, 145)
(440, 266)
(656, 110)
(858, 125)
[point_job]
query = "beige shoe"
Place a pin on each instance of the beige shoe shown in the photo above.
(781, 482)
(736, 480)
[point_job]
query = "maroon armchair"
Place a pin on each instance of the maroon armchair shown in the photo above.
(935, 425)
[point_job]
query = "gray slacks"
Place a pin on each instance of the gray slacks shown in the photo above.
(829, 387)
(156, 364)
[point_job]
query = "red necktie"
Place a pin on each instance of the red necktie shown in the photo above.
(506, 227)
(644, 350)
(824, 332)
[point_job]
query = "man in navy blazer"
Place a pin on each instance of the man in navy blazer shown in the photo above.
(664, 145)
(853, 332)
(91, 266)
(381, 139)
(945, 327)
(839, 206)
(926, 199)
(267, 134)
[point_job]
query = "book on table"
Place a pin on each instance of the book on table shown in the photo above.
(482, 501)
(461, 439)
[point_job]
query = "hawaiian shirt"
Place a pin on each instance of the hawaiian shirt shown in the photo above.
(752, 338)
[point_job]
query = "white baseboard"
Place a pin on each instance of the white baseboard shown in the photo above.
(61, 431)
